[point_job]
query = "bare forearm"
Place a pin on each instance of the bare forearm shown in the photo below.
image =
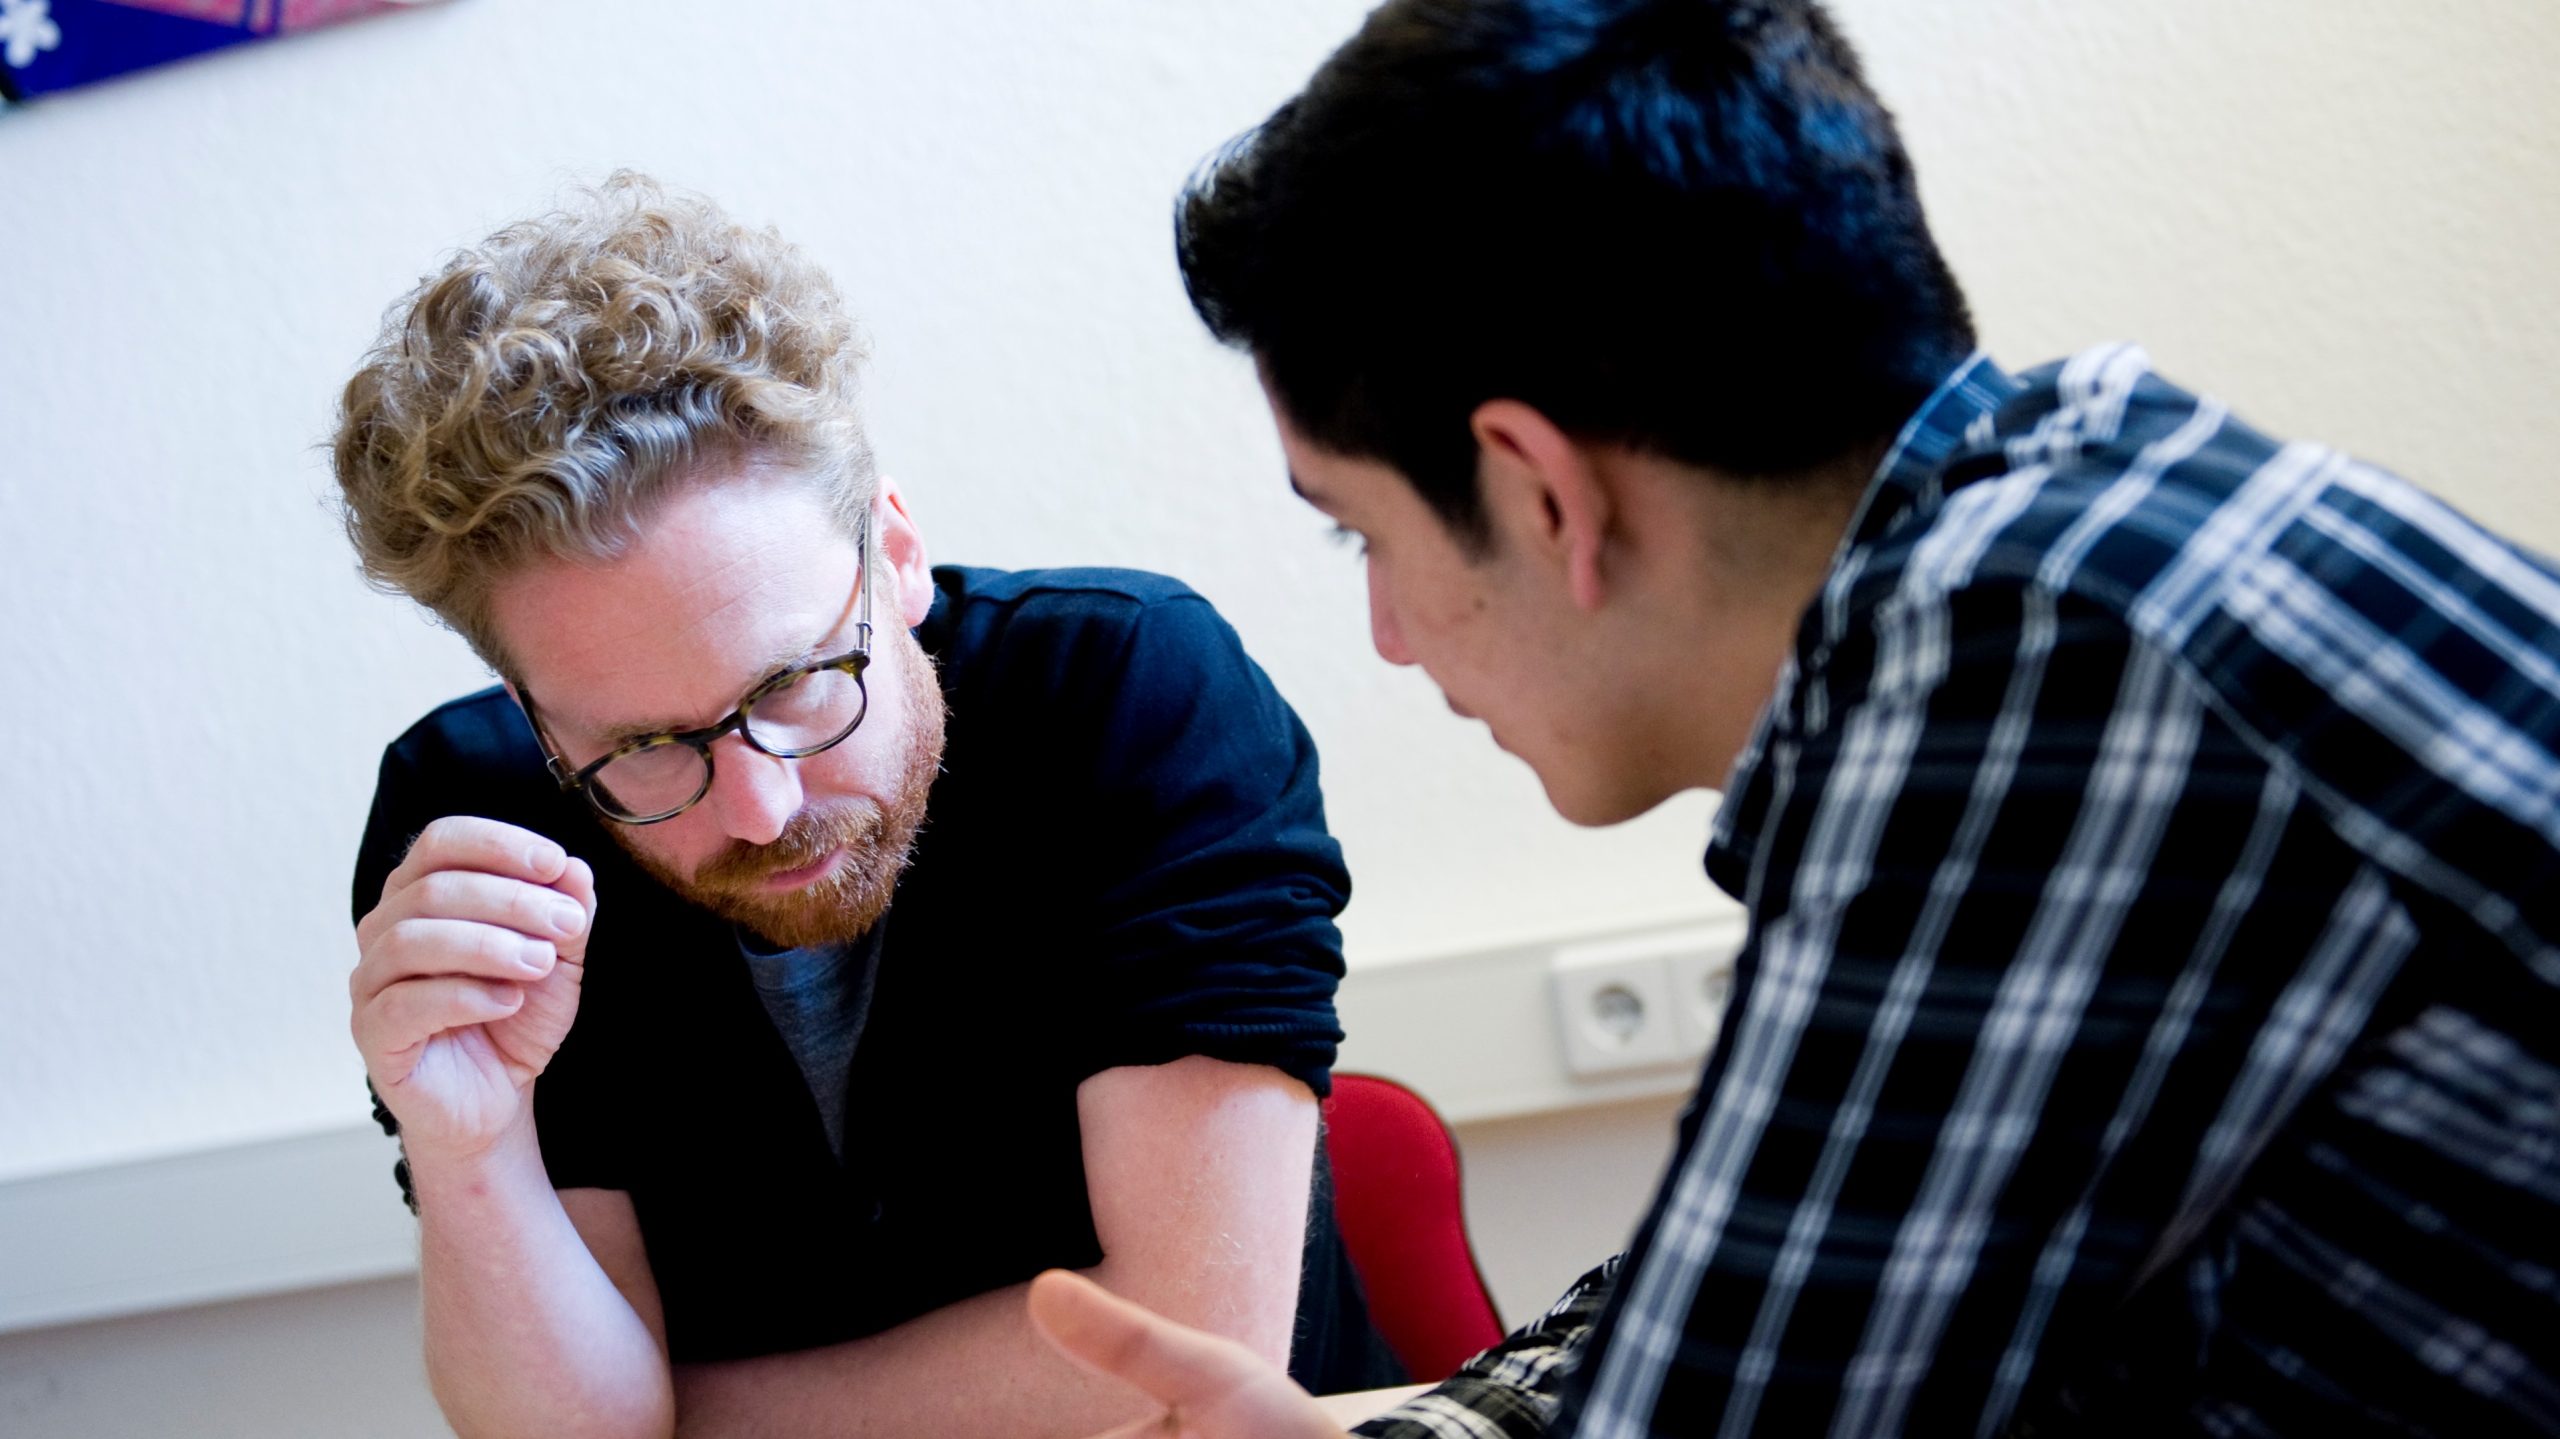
(974, 1367)
(1199, 1173)
(526, 1334)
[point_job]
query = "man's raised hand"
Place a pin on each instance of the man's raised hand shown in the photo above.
(467, 979)
(1211, 1388)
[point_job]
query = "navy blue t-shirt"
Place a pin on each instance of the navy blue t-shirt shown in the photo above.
(1124, 862)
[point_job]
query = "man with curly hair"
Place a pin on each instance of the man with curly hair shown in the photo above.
(2149, 830)
(805, 945)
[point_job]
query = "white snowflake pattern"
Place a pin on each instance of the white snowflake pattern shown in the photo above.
(28, 30)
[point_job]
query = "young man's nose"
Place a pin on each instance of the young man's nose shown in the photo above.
(1383, 631)
(754, 793)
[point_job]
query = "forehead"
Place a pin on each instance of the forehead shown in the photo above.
(725, 583)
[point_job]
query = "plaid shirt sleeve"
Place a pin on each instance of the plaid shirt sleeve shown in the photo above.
(1510, 1390)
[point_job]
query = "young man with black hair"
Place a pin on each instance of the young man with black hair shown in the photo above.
(2150, 1017)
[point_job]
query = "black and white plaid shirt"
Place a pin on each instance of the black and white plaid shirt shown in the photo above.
(2150, 1022)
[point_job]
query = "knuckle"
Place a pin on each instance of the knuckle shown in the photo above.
(452, 894)
(391, 1011)
(437, 833)
(422, 1006)
(497, 948)
(400, 942)
(379, 1024)
(453, 838)
(528, 907)
(434, 892)
(421, 945)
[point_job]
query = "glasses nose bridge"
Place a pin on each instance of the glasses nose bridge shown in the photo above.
(736, 724)
(752, 800)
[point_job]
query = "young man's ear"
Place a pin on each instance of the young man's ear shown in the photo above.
(897, 540)
(1540, 488)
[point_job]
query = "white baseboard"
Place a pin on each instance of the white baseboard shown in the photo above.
(1476, 1033)
(198, 1228)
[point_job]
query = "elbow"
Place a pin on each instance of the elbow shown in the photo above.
(473, 1415)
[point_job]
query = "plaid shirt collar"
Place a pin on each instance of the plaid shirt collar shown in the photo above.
(1913, 476)
(1911, 481)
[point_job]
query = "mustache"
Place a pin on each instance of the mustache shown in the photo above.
(810, 836)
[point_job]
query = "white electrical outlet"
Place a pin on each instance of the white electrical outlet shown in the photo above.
(1701, 985)
(1615, 1013)
(1644, 1000)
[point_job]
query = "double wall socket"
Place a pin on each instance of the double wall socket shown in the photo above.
(1645, 1001)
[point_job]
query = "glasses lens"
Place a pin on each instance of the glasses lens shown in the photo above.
(650, 783)
(808, 712)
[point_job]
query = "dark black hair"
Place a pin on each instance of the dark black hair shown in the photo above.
(1682, 225)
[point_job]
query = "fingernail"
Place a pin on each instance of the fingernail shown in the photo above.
(567, 918)
(536, 956)
(546, 858)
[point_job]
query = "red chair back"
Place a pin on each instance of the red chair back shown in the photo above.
(1397, 1199)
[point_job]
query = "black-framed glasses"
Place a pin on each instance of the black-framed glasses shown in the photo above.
(802, 711)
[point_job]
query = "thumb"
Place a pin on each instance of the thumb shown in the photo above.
(1177, 1367)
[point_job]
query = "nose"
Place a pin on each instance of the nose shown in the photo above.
(754, 794)
(1383, 631)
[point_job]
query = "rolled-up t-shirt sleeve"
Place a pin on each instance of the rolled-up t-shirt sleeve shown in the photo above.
(1212, 877)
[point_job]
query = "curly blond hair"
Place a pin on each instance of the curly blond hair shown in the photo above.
(541, 394)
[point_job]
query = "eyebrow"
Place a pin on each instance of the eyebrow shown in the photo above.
(620, 735)
(1303, 492)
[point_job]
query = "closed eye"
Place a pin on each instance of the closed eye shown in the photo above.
(1345, 535)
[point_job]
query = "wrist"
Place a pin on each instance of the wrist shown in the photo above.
(508, 1159)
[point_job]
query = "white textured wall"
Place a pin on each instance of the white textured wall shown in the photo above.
(2338, 213)
(199, 688)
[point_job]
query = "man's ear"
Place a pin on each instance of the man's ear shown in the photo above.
(902, 544)
(1540, 486)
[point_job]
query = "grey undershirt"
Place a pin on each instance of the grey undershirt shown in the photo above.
(818, 998)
